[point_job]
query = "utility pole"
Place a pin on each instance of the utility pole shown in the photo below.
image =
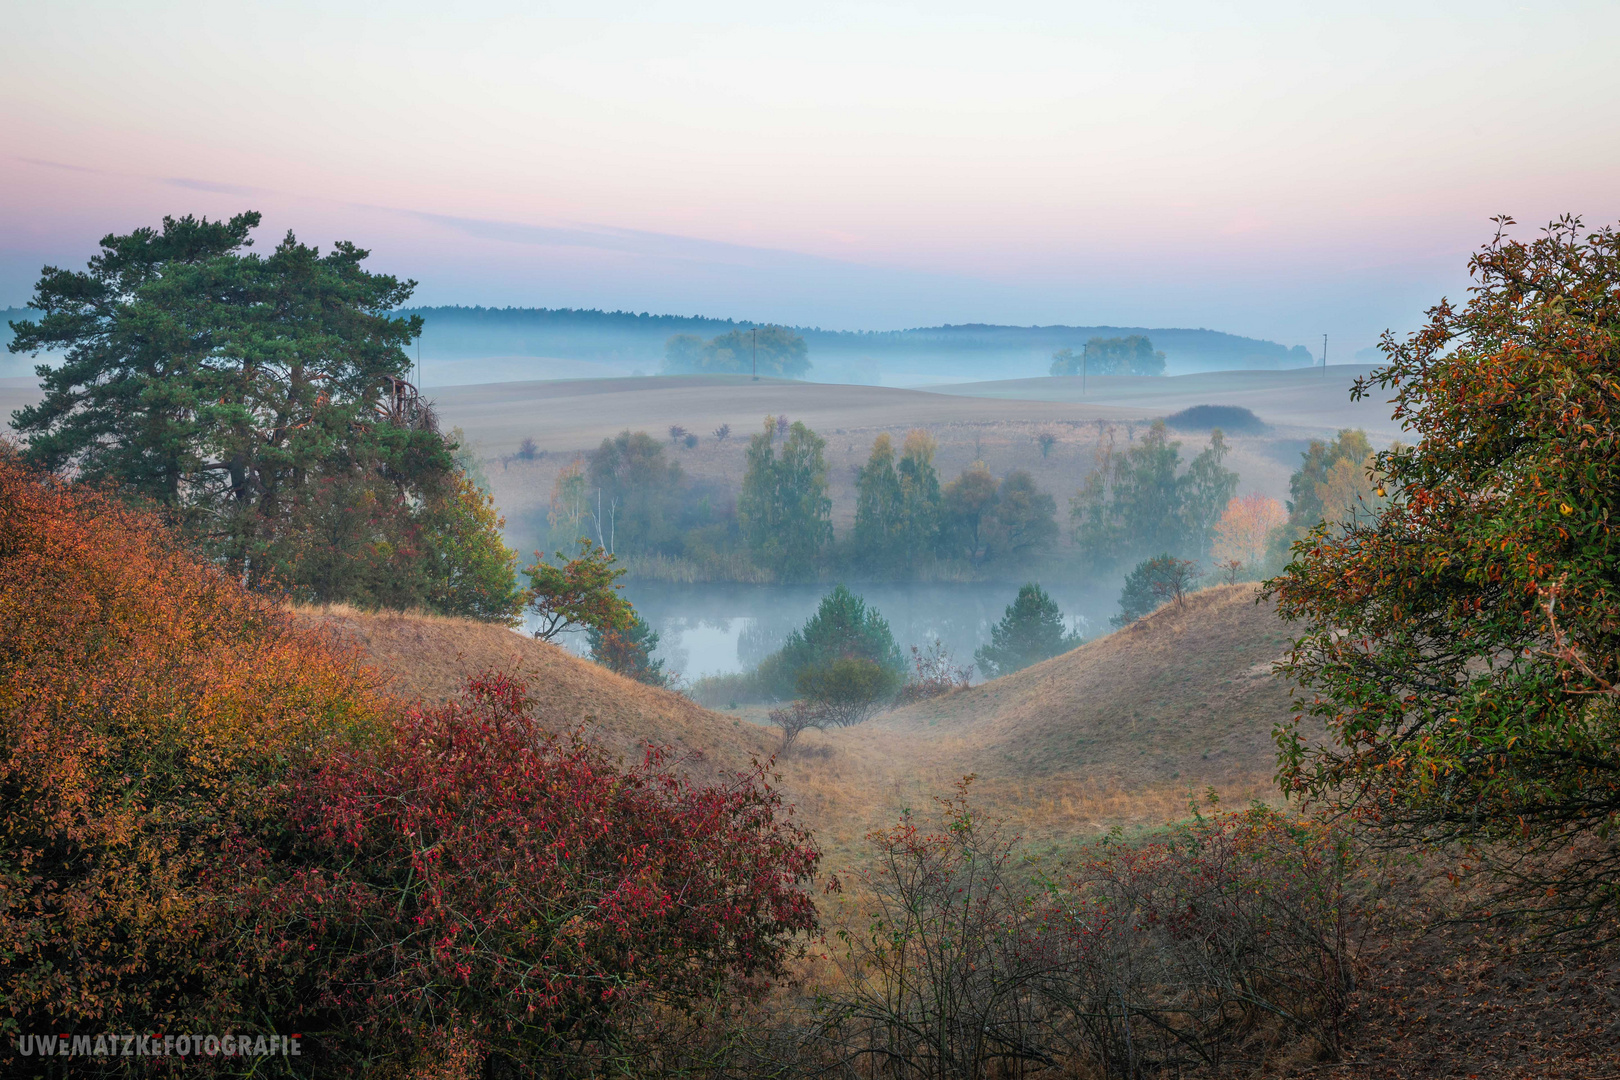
(755, 332)
(1324, 356)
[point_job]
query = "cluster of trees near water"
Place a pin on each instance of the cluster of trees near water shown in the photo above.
(214, 820)
(631, 497)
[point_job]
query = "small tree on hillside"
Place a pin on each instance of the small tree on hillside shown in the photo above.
(848, 690)
(842, 627)
(628, 650)
(1154, 583)
(577, 593)
(1031, 630)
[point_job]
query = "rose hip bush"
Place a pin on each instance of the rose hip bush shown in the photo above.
(479, 868)
(148, 707)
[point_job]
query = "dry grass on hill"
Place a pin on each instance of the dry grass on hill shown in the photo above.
(430, 657)
(1121, 731)
(1185, 694)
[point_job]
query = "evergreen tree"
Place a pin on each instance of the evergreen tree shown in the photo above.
(843, 627)
(1032, 630)
(628, 649)
(879, 510)
(784, 509)
(262, 400)
(1153, 583)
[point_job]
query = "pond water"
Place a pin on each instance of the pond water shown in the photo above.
(721, 628)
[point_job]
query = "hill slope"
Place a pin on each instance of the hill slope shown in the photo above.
(1118, 731)
(429, 657)
(1184, 695)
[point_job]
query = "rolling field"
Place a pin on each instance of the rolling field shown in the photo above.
(994, 422)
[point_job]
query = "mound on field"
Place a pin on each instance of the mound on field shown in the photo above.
(1229, 418)
(1183, 696)
(430, 657)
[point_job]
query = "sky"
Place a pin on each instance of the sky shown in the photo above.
(1279, 170)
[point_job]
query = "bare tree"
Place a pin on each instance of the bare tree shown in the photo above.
(794, 719)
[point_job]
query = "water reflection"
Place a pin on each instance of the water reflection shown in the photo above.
(710, 629)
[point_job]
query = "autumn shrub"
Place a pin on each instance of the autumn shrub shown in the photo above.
(933, 672)
(1181, 951)
(479, 872)
(149, 706)
(1201, 947)
(849, 690)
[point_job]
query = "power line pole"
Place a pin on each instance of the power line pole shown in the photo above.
(1324, 356)
(755, 332)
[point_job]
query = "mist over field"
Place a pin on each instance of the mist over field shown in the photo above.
(476, 345)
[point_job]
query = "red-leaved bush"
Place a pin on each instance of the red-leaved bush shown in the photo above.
(482, 874)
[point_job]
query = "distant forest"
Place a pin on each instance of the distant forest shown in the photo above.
(624, 337)
(634, 341)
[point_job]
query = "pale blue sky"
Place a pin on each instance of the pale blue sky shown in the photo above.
(1266, 168)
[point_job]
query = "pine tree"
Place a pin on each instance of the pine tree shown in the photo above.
(1032, 630)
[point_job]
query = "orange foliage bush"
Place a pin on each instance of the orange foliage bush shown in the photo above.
(148, 705)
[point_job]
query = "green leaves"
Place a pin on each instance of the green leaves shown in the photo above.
(1464, 640)
(784, 508)
(262, 399)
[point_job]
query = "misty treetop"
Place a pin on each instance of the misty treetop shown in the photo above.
(784, 510)
(779, 353)
(262, 400)
(1131, 355)
(1140, 501)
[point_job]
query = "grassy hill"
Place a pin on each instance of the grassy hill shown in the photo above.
(1184, 694)
(429, 657)
(1121, 731)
